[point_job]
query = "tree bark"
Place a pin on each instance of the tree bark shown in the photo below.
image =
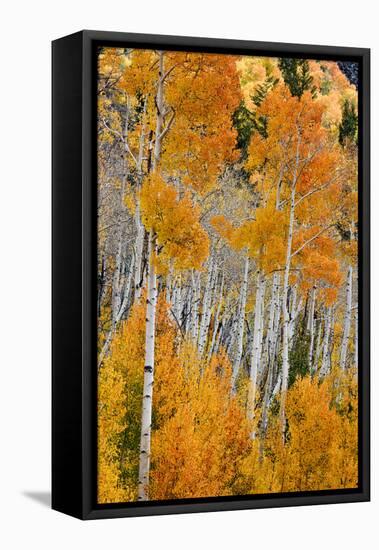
(286, 317)
(216, 319)
(256, 346)
(310, 327)
(270, 349)
(325, 364)
(240, 326)
(205, 314)
(148, 380)
(120, 314)
(151, 302)
(347, 321)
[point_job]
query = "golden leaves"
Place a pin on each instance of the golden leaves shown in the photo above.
(175, 222)
(263, 238)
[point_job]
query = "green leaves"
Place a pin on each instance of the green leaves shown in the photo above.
(348, 128)
(297, 76)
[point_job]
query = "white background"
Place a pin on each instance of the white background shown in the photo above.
(26, 31)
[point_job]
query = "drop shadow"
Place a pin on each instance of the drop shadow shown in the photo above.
(42, 497)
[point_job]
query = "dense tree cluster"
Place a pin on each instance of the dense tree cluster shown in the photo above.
(227, 275)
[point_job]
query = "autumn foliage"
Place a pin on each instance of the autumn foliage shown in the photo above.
(227, 276)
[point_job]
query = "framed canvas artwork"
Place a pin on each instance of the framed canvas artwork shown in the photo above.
(210, 274)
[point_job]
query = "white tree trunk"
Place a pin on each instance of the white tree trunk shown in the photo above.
(256, 346)
(347, 321)
(140, 230)
(140, 235)
(120, 314)
(277, 316)
(271, 319)
(116, 283)
(311, 327)
(240, 326)
(293, 316)
(271, 338)
(325, 364)
(261, 331)
(151, 302)
(160, 107)
(216, 319)
(356, 340)
(195, 307)
(286, 316)
(205, 314)
(148, 380)
(318, 347)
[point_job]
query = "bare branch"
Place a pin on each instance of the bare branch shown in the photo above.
(169, 124)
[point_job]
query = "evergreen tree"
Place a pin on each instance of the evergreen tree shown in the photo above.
(348, 128)
(243, 122)
(246, 121)
(297, 76)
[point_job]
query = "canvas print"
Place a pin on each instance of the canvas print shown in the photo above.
(227, 283)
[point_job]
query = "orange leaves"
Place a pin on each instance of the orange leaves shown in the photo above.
(321, 444)
(318, 262)
(111, 422)
(262, 238)
(139, 73)
(204, 91)
(175, 221)
(197, 449)
(200, 433)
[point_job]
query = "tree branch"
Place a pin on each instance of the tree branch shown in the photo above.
(311, 239)
(169, 124)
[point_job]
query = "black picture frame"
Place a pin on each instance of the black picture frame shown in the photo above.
(74, 369)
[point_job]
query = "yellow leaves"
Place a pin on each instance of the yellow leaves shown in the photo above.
(204, 91)
(321, 442)
(175, 222)
(201, 443)
(111, 413)
(262, 238)
(140, 73)
(200, 433)
(197, 449)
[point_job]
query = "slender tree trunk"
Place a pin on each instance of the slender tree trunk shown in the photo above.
(240, 326)
(205, 308)
(160, 106)
(260, 364)
(121, 312)
(310, 327)
(140, 230)
(116, 283)
(101, 285)
(151, 302)
(195, 307)
(216, 319)
(293, 315)
(148, 381)
(220, 335)
(356, 340)
(271, 319)
(325, 364)
(286, 317)
(270, 349)
(169, 285)
(318, 346)
(178, 300)
(256, 347)
(347, 321)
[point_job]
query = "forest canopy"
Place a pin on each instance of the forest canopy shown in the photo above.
(227, 298)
